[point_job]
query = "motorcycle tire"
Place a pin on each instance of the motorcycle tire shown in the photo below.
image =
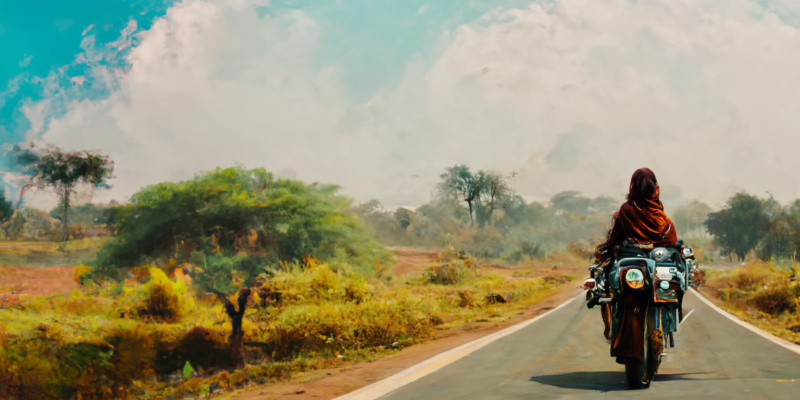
(633, 372)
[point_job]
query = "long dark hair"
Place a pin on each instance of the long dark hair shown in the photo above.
(643, 188)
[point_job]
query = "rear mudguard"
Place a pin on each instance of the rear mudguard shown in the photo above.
(627, 336)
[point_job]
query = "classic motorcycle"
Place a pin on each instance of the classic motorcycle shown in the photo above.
(641, 296)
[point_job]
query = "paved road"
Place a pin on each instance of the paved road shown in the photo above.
(564, 356)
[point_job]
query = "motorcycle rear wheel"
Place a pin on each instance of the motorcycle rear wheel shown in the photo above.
(637, 369)
(634, 372)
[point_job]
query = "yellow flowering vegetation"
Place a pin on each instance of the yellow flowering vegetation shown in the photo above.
(158, 337)
(763, 293)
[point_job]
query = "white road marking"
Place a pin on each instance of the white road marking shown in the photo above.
(687, 316)
(392, 383)
(774, 339)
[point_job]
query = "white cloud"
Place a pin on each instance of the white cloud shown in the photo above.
(574, 95)
(25, 61)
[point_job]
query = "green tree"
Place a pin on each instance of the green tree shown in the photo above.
(574, 202)
(232, 225)
(494, 193)
(6, 212)
(87, 215)
(778, 241)
(459, 183)
(739, 226)
(793, 220)
(63, 172)
(690, 217)
(403, 217)
(571, 201)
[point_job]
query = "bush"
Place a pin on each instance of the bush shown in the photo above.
(160, 304)
(776, 298)
(159, 299)
(451, 268)
(528, 249)
(446, 273)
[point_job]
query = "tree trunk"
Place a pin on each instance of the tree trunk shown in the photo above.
(66, 212)
(471, 221)
(237, 334)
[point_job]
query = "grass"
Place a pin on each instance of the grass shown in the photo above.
(49, 254)
(102, 342)
(764, 294)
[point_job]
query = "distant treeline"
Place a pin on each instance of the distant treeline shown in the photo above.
(86, 220)
(479, 212)
(502, 225)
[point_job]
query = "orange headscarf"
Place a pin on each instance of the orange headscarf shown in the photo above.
(641, 219)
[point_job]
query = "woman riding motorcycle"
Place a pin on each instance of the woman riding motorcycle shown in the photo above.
(639, 224)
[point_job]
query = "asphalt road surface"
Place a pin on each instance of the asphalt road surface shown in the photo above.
(564, 356)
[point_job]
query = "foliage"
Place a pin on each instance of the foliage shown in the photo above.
(224, 275)
(528, 249)
(160, 299)
(459, 183)
(86, 344)
(448, 271)
(403, 217)
(739, 226)
(234, 210)
(6, 207)
(89, 215)
(690, 217)
(63, 172)
(231, 224)
(778, 241)
(574, 202)
(765, 294)
(515, 230)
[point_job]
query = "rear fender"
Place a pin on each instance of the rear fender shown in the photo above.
(628, 337)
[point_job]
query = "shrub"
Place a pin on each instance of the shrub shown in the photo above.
(776, 298)
(446, 272)
(527, 248)
(160, 303)
(160, 298)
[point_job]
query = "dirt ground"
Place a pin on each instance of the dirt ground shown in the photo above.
(410, 260)
(332, 383)
(36, 281)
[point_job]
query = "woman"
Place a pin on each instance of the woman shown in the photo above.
(640, 222)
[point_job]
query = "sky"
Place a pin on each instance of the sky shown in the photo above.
(380, 96)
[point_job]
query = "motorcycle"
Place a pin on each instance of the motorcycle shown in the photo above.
(641, 298)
